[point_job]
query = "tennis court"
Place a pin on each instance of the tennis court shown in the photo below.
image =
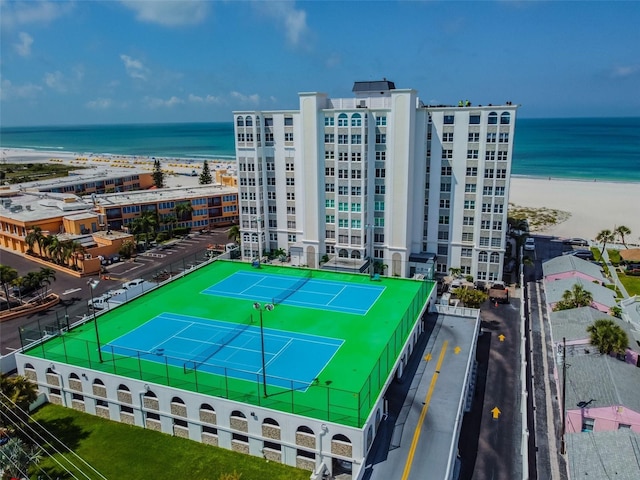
(301, 292)
(330, 342)
(218, 347)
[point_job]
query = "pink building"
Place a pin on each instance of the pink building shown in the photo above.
(568, 266)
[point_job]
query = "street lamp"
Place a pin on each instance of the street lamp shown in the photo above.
(267, 306)
(92, 285)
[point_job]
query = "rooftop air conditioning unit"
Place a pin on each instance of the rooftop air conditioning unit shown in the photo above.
(362, 104)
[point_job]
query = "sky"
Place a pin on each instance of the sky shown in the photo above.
(159, 61)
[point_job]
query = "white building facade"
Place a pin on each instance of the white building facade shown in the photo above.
(377, 179)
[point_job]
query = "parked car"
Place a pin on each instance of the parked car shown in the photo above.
(578, 242)
(583, 254)
(99, 303)
(530, 244)
(133, 283)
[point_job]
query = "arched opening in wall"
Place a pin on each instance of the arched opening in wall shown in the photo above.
(208, 414)
(369, 437)
(30, 372)
(178, 407)
(97, 381)
(378, 417)
(343, 253)
(248, 121)
(305, 429)
(123, 388)
(493, 118)
(240, 122)
(505, 118)
(355, 254)
(238, 414)
(99, 388)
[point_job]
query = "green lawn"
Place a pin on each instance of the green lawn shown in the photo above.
(121, 451)
(631, 283)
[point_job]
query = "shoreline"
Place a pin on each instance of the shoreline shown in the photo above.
(593, 205)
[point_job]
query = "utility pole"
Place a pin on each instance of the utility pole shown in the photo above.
(563, 448)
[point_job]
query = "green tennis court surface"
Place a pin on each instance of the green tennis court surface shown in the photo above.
(358, 326)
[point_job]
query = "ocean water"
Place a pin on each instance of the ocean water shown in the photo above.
(604, 149)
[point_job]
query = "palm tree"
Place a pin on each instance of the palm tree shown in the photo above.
(33, 280)
(33, 237)
(77, 250)
(575, 298)
(30, 239)
(20, 456)
(46, 275)
(604, 237)
(234, 234)
(55, 248)
(169, 220)
(469, 297)
(144, 224)
(7, 276)
(621, 231)
(608, 337)
(183, 211)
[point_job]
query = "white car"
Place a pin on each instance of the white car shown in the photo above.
(530, 244)
(133, 283)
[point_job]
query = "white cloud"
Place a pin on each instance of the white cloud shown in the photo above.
(24, 46)
(153, 102)
(333, 60)
(99, 104)
(255, 98)
(293, 20)
(55, 81)
(11, 92)
(209, 99)
(625, 71)
(170, 13)
(135, 68)
(23, 13)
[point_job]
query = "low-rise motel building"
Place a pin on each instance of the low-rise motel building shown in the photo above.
(98, 222)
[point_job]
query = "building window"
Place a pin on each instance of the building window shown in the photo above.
(491, 137)
(448, 119)
(355, 223)
(443, 250)
(329, 155)
(357, 191)
(380, 172)
(446, 171)
(380, 190)
(494, 258)
(330, 219)
(497, 225)
(443, 219)
(443, 235)
(356, 120)
(474, 119)
(467, 237)
(329, 187)
(343, 139)
(329, 172)
(470, 187)
(488, 190)
(472, 154)
(328, 121)
(490, 155)
(472, 171)
(381, 156)
(381, 121)
(288, 136)
(445, 187)
(381, 138)
(447, 137)
(445, 203)
(502, 156)
(469, 204)
(356, 207)
(485, 224)
(291, 237)
(288, 121)
(356, 156)
(343, 207)
(503, 137)
(474, 136)
(343, 121)
(588, 424)
(505, 118)
(466, 252)
(329, 138)
(483, 256)
(468, 221)
(330, 203)
(447, 153)
(378, 206)
(378, 222)
(493, 118)
(356, 139)
(488, 173)
(499, 191)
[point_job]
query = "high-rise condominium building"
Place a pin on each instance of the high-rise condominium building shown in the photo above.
(378, 182)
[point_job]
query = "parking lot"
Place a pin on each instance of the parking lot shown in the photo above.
(154, 265)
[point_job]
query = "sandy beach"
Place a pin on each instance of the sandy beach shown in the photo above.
(593, 206)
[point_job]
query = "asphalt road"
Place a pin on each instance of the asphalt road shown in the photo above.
(74, 292)
(490, 439)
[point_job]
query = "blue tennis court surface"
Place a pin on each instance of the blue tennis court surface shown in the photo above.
(323, 294)
(292, 360)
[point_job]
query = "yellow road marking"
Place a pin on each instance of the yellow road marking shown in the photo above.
(423, 413)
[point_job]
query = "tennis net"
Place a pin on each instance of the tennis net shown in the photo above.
(195, 363)
(290, 291)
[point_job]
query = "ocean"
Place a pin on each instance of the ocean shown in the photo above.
(603, 149)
